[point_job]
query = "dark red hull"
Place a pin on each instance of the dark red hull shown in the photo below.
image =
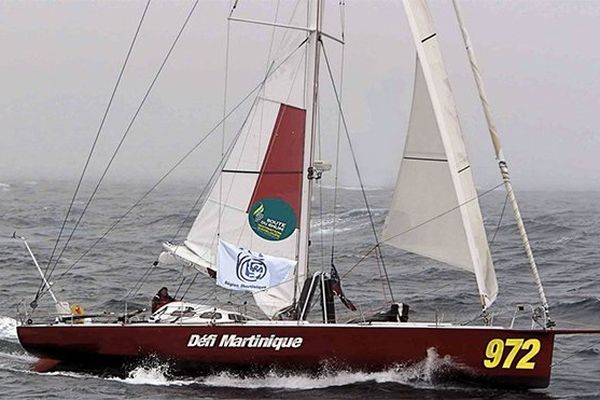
(516, 358)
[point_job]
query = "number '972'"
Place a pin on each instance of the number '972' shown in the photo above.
(512, 352)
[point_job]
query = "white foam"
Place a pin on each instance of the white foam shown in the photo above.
(17, 356)
(152, 375)
(158, 376)
(66, 374)
(296, 381)
(4, 186)
(8, 328)
(420, 374)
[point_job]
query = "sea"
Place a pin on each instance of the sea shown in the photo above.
(564, 229)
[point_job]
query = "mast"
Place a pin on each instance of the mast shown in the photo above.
(314, 55)
(502, 162)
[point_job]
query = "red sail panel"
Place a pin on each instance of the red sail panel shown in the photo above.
(281, 172)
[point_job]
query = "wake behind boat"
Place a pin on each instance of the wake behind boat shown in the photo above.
(252, 234)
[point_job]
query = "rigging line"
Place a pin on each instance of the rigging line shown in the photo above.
(575, 323)
(207, 294)
(554, 364)
(125, 134)
(189, 286)
(180, 284)
(305, 83)
(114, 225)
(421, 224)
(499, 220)
(200, 197)
(342, 5)
(138, 285)
(338, 138)
(286, 32)
(437, 289)
(223, 130)
(91, 152)
(267, 66)
(272, 40)
(182, 159)
(382, 278)
(360, 180)
(476, 317)
(235, 3)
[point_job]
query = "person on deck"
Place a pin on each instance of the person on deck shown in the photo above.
(161, 298)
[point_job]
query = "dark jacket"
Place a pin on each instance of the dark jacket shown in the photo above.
(159, 300)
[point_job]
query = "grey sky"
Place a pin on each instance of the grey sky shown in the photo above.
(59, 61)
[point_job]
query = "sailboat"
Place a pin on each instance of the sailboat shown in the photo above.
(253, 234)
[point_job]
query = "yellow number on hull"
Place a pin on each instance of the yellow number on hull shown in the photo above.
(533, 345)
(495, 351)
(516, 346)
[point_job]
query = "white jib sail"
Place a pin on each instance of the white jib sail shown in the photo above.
(435, 211)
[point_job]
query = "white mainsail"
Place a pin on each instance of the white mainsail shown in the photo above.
(256, 200)
(434, 211)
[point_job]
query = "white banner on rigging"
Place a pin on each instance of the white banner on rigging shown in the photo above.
(242, 269)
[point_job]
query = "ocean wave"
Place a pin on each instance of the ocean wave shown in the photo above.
(537, 227)
(590, 351)
(19, 356)
(588, 307)
(8, 329)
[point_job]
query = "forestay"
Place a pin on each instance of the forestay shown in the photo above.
(434, 211)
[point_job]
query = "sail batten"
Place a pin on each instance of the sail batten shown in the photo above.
(435, 211)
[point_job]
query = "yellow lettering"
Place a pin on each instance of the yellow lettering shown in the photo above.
(493, 352)
(534, 346)
(516, 346)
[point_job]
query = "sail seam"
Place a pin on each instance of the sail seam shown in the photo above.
(428, 37)
(279, 102)
(462, 169)
(241, 171)
(425, 159)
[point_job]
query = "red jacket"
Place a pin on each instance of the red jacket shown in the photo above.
(158, 301)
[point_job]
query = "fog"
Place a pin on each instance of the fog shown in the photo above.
(59, 62)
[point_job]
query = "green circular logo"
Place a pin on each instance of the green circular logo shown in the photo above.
(272, 219)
